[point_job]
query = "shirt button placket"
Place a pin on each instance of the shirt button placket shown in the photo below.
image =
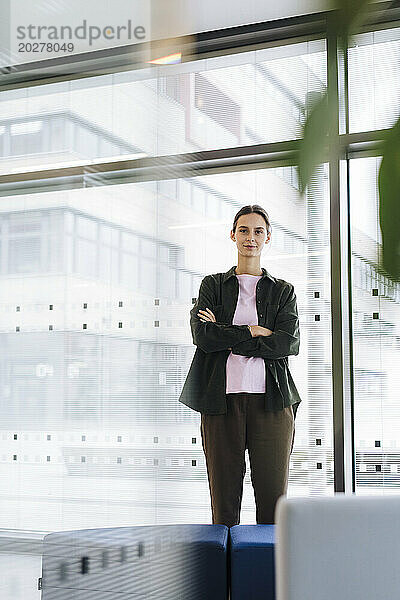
(258, 300)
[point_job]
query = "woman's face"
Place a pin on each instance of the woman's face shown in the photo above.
(250, 234)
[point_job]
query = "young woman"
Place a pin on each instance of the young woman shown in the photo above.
(245, 325)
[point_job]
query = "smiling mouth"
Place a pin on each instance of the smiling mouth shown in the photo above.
(249, 246)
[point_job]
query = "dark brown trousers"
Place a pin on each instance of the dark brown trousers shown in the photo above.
(268, 436)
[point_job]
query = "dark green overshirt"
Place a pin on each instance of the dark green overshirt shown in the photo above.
(205, 387)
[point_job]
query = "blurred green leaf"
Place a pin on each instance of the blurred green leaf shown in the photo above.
(389, 202)
(311, 147)
(350, 14)
(345, 18)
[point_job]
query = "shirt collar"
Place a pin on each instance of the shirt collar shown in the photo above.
(232, 273)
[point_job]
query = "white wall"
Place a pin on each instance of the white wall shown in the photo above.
(171, 18)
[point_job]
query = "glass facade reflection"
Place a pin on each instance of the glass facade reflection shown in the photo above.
(97, 342)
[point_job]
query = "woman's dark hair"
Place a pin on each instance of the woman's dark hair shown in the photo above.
(252, 208)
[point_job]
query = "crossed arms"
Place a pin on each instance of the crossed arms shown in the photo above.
(212, 336)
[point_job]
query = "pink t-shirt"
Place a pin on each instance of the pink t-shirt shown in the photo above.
(245, 373)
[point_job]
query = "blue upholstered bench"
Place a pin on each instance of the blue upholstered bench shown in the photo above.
(252, 563)
(160, 562)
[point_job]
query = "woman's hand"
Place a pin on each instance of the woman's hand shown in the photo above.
(207, 315)
(257, 330)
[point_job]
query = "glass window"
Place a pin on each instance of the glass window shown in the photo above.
(129, 270)
(376, 353)
(220, 102)
(86, 257)
(86, 228)
(124, 345)
(374, 82)
(24, 255)
(130, 242)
